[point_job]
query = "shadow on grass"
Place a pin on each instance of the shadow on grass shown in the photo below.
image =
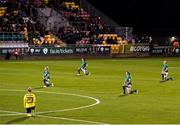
(170, 78)
(38, 88)
(79, 75)
(18, 120)
(123, 95)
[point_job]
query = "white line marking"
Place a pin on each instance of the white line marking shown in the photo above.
(69, 119)
(52, 117)
(5, 115)
(70, 109)
(63, 110)
(11, 112)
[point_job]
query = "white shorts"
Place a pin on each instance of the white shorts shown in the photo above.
(83, 70)
(164, 73)
(129, 88)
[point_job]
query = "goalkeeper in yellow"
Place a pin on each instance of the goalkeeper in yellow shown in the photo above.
(29, 102)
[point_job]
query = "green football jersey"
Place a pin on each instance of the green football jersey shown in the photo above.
(127, 78)
(165, 67)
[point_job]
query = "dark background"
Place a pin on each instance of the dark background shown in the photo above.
(158, 18)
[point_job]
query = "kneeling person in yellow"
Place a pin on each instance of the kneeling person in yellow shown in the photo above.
(29, 102)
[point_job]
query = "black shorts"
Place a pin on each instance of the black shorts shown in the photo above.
(84, 66)
(29, 110)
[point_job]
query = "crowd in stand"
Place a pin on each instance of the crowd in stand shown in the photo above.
(17, 16)
(86, 27)
(143, 39)
(21, 16)
(70, 34)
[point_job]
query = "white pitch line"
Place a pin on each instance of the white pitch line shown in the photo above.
(12, 113)
(50, 117)
(70, 119)
(62, 118)
(62, 110)
(70, 109)
(5, 115)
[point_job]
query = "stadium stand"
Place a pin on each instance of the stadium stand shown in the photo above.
(82, 21)
(110, 39)
(20, 22)
(86, 27)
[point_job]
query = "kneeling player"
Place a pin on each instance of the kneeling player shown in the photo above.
(164, 72)
(127, 86)
(29, 102)
(46, 77)
(83, 67)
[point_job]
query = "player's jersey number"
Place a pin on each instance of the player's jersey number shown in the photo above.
(29, 99)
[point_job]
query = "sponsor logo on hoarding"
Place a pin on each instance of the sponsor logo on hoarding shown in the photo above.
(32, 50)
(61, 51)
(157, 51)
(45, 51)
(37, 50)
(82, 50)
(104, 49)
(140, 49)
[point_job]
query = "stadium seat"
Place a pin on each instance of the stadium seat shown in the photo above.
(2, 11)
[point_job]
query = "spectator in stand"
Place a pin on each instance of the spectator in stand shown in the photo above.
(175, 46)
(108, 40)
(115, 41)
(16, 53)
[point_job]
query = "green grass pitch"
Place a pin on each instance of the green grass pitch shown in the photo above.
(91, 99)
